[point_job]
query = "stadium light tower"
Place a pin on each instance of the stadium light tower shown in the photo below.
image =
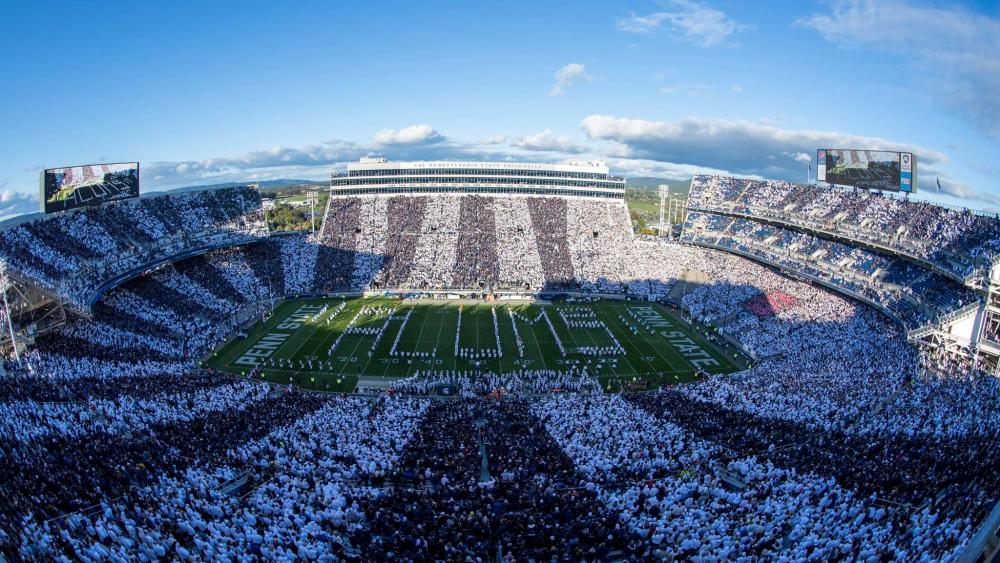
(312, 211)
(664, 195)
(4, 284)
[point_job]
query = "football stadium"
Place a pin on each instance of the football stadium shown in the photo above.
(691, 331)
(491, 343)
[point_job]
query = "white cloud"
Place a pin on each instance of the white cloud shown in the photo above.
(954, 189)
(951, 49)
(311, 162)
(548, 141)
(316, 162)
(657, 169)
(568, 76)
(641, 24)
(736, 89)
(696, 22)
(632, 146)
(412, 135)
(16, 203)
(749, 148)
(693, 90)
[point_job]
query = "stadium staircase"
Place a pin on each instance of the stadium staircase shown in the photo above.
(918, 333)
(944, 320)
(732, 480)
(236, 484)
(688, 282)
(885, 402)
(26, 284)
(32, 305)
(725, 321)
(484, 471)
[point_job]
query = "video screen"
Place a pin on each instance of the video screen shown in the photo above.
(93, 184)
(866, 169)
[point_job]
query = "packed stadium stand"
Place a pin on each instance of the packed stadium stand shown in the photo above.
(956, 242)
(916, 261)
(76, 255)
(456, 242)
(843, 439)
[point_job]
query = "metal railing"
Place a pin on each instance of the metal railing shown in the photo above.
(985, 545)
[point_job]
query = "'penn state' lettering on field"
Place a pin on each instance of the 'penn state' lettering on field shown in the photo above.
(263, 348)
(300, 316)
(651, 316)
(688, 348)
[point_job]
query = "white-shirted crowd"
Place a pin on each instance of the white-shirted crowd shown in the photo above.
(305, 487)
(75, 254)
(690, 498)
(914, 295)
(472, 242)
(476, 383)
(840, 441)
(960, 241)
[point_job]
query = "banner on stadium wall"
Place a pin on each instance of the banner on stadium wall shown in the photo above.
(906, 172)
(70, 187)
(867, 169)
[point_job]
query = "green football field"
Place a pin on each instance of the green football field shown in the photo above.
(330, 343)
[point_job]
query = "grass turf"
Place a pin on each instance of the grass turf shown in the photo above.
(666, 352)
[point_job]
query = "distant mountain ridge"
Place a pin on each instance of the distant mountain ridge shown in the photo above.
(264, 184)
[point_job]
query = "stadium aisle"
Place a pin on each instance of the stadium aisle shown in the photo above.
(447, 502)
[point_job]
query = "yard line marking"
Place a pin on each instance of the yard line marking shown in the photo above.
(645, 339)
(534, 337)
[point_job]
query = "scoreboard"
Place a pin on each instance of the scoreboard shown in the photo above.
(70, 187)
(867, 169)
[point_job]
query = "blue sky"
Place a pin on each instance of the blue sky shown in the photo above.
(210, 92)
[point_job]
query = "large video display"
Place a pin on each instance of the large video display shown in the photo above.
(93, 184)
(867, 169)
